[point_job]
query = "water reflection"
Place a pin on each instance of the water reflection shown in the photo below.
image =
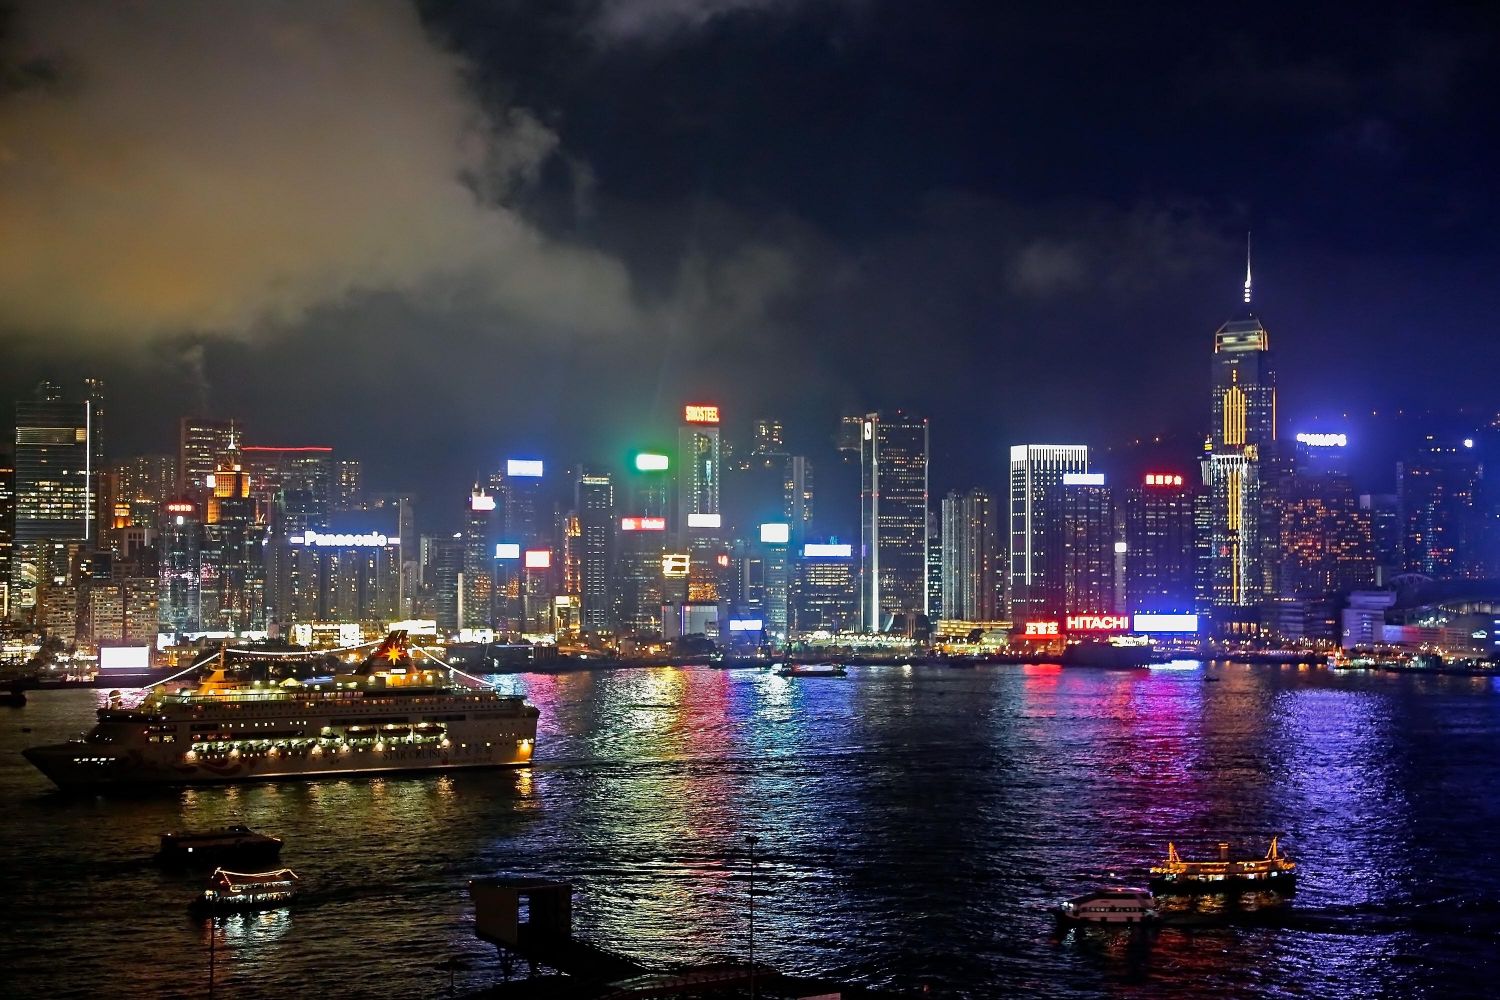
(914, 822)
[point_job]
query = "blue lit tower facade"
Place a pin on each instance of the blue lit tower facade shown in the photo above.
(893, 518)
(1243, 433)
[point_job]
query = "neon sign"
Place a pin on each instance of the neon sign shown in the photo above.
(1041, 630)
(1098, 623)
(643, 524)
(697, 413)
(1323, 440)
(367, 540)
(674, 565)
(1163, 479)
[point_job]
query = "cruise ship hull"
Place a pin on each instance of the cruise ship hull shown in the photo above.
(82, 767)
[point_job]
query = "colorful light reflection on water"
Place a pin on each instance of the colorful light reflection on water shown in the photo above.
(913, 821)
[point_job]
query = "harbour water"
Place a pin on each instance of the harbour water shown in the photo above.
(913, 822)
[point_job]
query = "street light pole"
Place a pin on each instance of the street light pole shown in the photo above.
(752, 840)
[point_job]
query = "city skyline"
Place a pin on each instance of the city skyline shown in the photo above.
(986, 247)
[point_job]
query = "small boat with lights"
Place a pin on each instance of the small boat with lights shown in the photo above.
(234, 844)
(1274, 872)
(812, 670)
(228, 890)
(1107, 906)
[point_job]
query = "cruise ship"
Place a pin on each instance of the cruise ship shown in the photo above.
(393, 714)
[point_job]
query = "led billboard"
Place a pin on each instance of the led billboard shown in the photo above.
(344, 540)
(1166, 623)
(699, 413)
(674, 565)
(135, 658)
(1043, 630)
(650, 462)
(776, 534)
(1163, 479)
(524, 467)
(1098, 623)
(1323, 440)
(705, 521)
(643, 524)
(815, 550)
(746, 624)
(481, 501)
(538, 558)
(1083, 479)
(507, 550)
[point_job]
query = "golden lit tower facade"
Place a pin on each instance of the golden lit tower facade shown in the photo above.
(1243, 432)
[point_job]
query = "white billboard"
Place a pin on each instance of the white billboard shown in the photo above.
(133, 658)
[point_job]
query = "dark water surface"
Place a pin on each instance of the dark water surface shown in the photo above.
(915, 819)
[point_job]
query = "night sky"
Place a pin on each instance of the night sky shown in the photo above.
(433, 236)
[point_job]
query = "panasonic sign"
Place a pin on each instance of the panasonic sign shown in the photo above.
(322, 539)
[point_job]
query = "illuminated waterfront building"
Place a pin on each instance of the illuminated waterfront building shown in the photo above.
(1037, 582)
(699, 527)
(476, 594)
(594, 500)
(1088, 545)
(1437, 491)
(1243, 428)
(893, 519)
(825, 595)
(58, 466)
(1161, 550)
(123, 612)
(232, 569)
(970, 556)
(178, 567)
(445, 568)
(640, 541)
(1325, 543)
(7, 528)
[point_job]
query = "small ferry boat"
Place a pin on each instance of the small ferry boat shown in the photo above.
(1108, 906)
(236, 843)
(1272, 872)
(812, 670)
(248, 891)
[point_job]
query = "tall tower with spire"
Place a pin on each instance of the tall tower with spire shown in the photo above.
(1243, 433)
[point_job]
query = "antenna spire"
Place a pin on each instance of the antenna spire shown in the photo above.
(1247, 268)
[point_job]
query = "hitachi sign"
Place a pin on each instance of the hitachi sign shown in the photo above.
(1098, 623)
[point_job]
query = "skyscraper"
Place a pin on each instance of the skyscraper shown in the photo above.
(1037, 565)
(1243, 428)
(57, 469)
(7, 528)
(971, 556)
(476, 594)
(202, 446)
(893, 518)
(348, 484)
(699, 529)
(1161, 544)
(1437, 491)
(594, 500)
(1088, 545)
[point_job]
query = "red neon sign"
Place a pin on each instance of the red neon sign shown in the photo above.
(1098, 623)
(181, 508)
(699, 413)
(1163, 479)
(643, 524)
(1040, 630)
